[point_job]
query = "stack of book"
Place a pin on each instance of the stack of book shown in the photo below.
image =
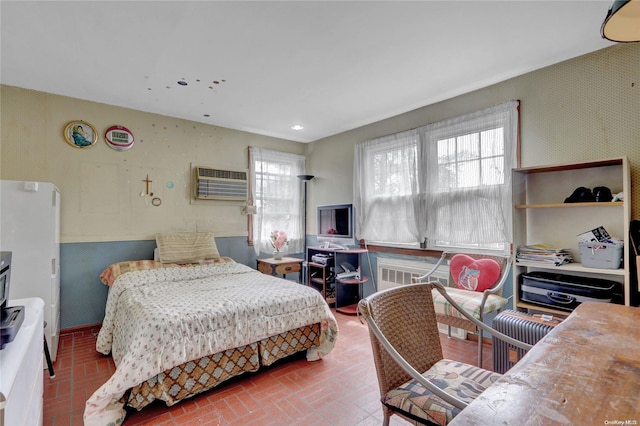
(543, 254)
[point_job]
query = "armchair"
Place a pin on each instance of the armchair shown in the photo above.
(478, 302)
(414, 379)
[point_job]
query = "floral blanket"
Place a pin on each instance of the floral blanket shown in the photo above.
(158, 318)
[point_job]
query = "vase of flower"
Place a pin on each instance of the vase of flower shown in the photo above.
(278, 240)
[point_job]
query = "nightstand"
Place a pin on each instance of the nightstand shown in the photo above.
(284, 266)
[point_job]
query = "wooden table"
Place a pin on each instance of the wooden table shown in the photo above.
(284, 266)
(586, 371)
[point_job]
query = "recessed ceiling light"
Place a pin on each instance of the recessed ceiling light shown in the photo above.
(182, 83)
(297, 127)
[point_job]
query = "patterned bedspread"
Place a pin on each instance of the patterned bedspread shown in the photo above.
(159, 318)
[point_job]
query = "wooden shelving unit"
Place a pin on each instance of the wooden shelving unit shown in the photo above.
(540, 216)
(319, 275)
(322, 277)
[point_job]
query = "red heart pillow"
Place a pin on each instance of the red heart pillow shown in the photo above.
(474, 274)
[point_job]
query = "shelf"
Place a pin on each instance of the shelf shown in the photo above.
(353, 281)
(573, 166)
(569, 205)
(342, 292)
(573, 267)
(538, 218)
(524, 305)
(350, 310)
(318, 265)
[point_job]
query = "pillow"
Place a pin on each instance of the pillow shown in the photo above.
(187, 247)
(474, 274)
(109, 275)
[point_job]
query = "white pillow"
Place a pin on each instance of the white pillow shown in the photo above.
(186, 247)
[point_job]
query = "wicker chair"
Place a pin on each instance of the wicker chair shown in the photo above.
(475, 302)
(415, 380)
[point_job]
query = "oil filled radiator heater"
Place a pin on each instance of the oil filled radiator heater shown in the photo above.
(528, 328)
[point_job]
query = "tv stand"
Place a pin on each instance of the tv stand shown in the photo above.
(333, 246)
(337, 290)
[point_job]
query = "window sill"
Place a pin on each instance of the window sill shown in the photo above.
(424, 252)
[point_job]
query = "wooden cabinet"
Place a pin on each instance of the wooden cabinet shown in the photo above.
(540, 216)
(342, 294)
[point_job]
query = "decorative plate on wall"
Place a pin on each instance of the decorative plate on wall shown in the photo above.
(80, 134)
(119, 138)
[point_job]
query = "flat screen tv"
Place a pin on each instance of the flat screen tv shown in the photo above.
(335, 223)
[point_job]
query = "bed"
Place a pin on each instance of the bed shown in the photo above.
(175, 329)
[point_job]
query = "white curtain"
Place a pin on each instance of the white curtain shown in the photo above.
(277, 194)
(449, 181)
(385, 185)
(477, 212)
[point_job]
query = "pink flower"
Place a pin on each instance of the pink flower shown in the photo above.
(278, 239)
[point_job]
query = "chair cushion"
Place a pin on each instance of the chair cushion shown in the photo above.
(468, 300)
(461, 380)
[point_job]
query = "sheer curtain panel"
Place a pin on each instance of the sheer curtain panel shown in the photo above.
(277, 195)
(386, 187)
(448, 181)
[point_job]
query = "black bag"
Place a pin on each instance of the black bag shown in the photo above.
(566, 292)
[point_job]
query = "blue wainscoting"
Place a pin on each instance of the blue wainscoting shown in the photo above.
(83, 297)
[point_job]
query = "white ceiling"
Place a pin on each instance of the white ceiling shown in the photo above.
(330, 66)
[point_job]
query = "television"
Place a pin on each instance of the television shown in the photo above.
(335, 224)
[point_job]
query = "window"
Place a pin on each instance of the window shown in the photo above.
(448, 182)
(385, 184)
(275, 192)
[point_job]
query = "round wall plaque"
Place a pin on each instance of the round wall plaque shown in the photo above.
(119, 138)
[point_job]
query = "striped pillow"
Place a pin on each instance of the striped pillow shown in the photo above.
(187, 247)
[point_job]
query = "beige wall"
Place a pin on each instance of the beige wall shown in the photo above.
(583, 109)
(101, 187)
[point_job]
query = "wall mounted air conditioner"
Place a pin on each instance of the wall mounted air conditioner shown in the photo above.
(216, 184)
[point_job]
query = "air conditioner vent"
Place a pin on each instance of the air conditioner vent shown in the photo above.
(395, 272)
(216, 184)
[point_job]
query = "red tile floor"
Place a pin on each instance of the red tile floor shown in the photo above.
(341, 389)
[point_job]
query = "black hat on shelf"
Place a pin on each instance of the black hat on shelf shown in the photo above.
(602, 194)
(580, 195)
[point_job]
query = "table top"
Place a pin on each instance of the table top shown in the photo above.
(273, 261)
(353, 280)
(586, 371)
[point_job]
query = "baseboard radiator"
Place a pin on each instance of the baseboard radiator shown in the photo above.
(521, 326)
(395, 272)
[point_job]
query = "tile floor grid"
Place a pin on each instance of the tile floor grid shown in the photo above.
(342, 389)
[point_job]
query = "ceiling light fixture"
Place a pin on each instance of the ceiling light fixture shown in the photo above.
(622, 22)
(297, 127)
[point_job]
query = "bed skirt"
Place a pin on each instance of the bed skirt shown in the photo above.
(194, 377)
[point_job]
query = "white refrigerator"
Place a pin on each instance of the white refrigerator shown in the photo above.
(30, 229)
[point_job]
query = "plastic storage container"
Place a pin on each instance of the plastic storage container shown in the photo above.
(601, 255)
